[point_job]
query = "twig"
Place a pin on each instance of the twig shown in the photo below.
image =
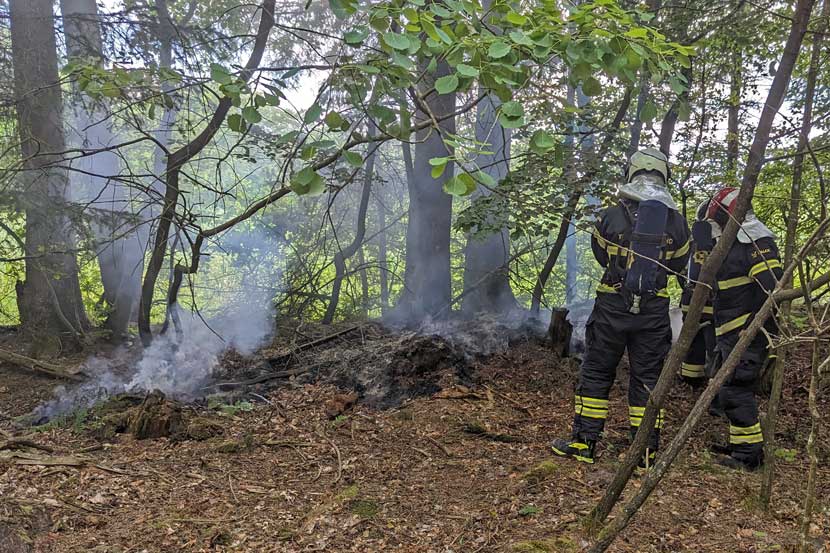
(439, 445)
(509, 399)
(339, 459)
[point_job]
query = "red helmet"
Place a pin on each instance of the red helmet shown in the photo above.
(722, 203)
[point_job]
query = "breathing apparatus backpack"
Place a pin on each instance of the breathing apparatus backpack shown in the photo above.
(647, 241)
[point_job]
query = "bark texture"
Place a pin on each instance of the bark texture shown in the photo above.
(50, 298)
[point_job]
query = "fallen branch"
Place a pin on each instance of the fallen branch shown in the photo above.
(20, 443)
(38, 366)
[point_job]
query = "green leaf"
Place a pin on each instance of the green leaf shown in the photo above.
(542, 142)
(110, 90)
(677, 86)
(684, 111)
(440, 11)
(512, 109)
(307, 181)
(486, 179)
(251, 115)
(438, 161)
(649, 112)
(460, 185)
(637, 32)
(220, 74)
(343, 8)
(236, 123)
(498, 50)
(271, 99)
(591, 87)
(467, 70)
(370, 69)
(396, 40)
(334, 120)
(437, 170)
(520, 38)
(352, 158)
(313, 114)
(356, 36)
(515, 18)
(446, 84)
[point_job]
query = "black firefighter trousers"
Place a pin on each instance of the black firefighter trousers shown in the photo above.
(737, 396)
(609, 332)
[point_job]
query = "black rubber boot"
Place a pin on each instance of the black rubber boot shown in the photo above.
(742, 462)
(581, 450)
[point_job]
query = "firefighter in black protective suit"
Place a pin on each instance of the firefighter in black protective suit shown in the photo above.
(632, 304)
(698, 364)
(750, 271)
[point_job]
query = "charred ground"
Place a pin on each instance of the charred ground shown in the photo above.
(444, 450)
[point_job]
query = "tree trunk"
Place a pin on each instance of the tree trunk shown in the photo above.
(427, 285)
(486, 257)
(383, 261)
(804, 545)
(50, 298)
(755, 162)
(106, 201)
(356, 245)
(771, 420)
(176, 161)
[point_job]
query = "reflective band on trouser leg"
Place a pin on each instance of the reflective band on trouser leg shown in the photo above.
(691, 370)
(635, 415)
(591, 407)
(746, 434)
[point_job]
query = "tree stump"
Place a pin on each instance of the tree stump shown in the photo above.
(156, 417)
(559, 332)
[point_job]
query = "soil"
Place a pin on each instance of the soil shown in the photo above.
(461, 464)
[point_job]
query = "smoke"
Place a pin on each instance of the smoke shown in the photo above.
(181, 364)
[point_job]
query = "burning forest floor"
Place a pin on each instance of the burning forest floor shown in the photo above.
(448, 452)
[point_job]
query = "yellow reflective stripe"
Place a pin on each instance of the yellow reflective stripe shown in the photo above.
(734, 282)
(744, 430)
(680, 252)
(746, 434)
(692, 370)
(605, 289)
(764, 266)
(662, 293)
(599, 403)
(583, 411)
(732, 325)
(635, 416)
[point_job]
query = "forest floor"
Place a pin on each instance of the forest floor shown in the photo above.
(464, 469)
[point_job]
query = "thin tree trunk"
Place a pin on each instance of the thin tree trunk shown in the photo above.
(755, 162)
(364, 283)
(733, 114)
(176, 161)
(356, 245)
(789, 248)
(573, 201)
(121, 251)
(49, 300)
(664, 461)
(812, 450)
(383, 262)
(670, 120)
